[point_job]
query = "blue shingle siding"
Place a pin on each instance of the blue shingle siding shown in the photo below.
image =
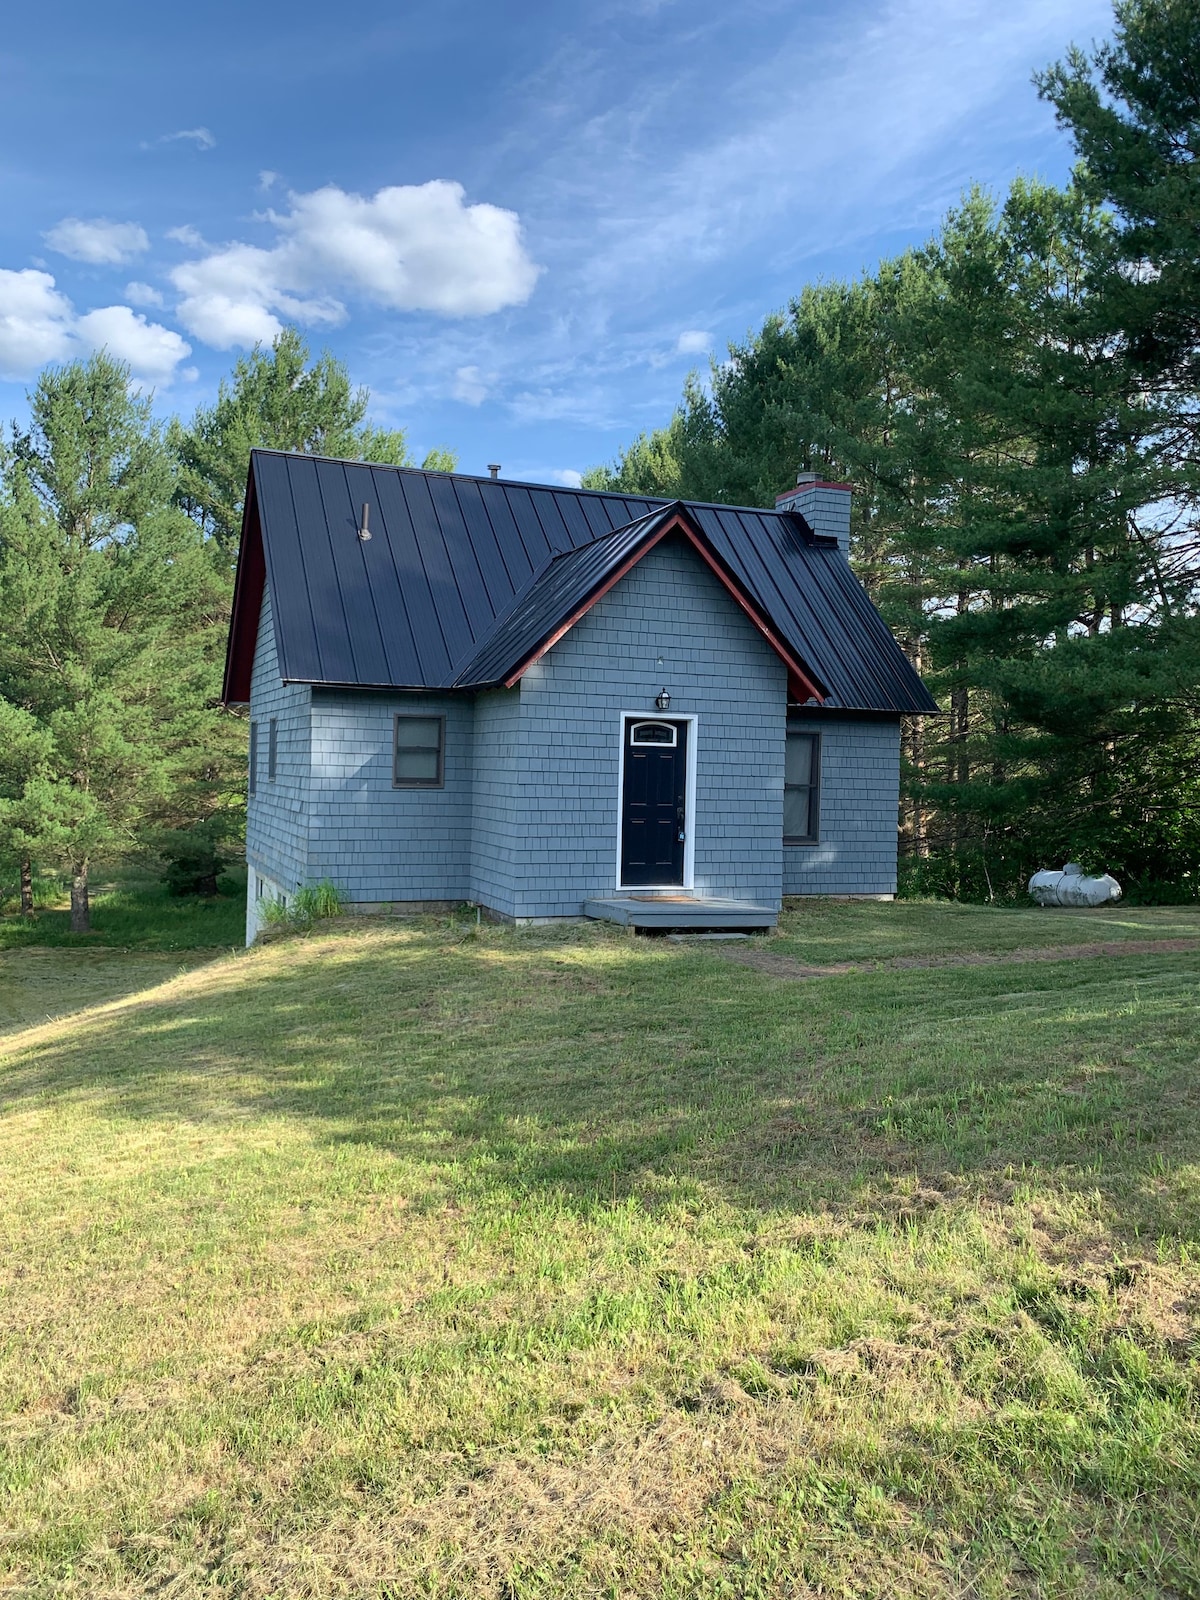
(860, 791)
(277, 813)
(376, 842)
(668, 623)
(497, 825)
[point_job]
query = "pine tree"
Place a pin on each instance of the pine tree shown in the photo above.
(113, 617)
(276, 400)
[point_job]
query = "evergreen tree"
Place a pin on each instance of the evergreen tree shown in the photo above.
(114, 619)
(275, 400)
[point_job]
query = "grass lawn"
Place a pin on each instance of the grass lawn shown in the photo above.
(421, 1260)
(130, 912)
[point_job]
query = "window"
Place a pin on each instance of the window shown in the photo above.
(272, 748)
(252, 786)
(417, 759)
(653, 733)
(801, 788)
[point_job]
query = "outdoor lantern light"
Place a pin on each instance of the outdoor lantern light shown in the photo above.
(663, 700)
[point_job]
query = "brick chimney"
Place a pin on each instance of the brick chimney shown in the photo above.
(824, 506)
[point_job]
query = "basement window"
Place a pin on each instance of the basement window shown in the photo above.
(418, 752)
(802, 788)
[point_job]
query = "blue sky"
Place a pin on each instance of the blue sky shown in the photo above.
(520, 225)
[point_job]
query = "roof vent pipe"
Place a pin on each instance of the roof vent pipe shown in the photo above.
(364, 526)
(494, 468)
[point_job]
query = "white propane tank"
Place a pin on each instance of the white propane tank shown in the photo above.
(1071, 888)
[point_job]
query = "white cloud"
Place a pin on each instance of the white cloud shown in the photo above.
(35, 323)
(471, 385)
(567, 476)
(267, 179)
(693, 342)
(98, 241)
(200, 137)
(186, 234)
(412, 247)
(142, 294)
(38, 324)
(152, 351)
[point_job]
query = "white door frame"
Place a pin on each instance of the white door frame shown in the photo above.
(689, 802)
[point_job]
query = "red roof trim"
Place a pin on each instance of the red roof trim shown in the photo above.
(803, 488)
(248, 587)
(799, 678)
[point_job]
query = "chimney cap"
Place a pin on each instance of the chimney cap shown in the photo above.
(810, 480)
(494, 468)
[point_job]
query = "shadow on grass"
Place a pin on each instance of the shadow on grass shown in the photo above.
(592, 1067)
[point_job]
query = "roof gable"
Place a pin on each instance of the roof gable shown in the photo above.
(570, 585)
(459, 572)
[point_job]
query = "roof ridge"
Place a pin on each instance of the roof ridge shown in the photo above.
(655, 500)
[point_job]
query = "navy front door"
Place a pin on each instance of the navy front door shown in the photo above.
(654, 818)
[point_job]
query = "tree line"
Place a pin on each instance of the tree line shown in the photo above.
(118, 546)
(1017, 405)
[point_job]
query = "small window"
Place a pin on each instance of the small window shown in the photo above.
(252, 786)
(654, 733)
(417, 761)
(272, 748)
(801, 788)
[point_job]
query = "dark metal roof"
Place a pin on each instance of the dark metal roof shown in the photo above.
(460, 574)
(554, 593)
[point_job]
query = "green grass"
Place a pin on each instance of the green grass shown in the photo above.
(830, 930)
(130, 912)
(420, 1260)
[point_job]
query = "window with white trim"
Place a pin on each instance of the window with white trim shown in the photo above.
(802, 788)
(418, 753)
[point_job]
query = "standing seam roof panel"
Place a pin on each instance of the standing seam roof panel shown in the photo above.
(463, 557)
(321, 579)
(298, 642)
(350, 558)
(439, 571)
(430, 655)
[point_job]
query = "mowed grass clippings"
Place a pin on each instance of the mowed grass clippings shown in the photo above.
(421, 1260)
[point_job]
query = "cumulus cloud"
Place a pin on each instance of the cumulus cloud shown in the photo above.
(567, 476)
(693, 342)
(35, 322)
(152, 351)
(98, 241)
(142, 294)
(412, 247)
(39, 324)
(267, 179)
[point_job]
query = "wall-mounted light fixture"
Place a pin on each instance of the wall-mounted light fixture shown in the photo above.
(364, 526)
(663, 700)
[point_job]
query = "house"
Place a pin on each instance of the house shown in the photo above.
(555, 702)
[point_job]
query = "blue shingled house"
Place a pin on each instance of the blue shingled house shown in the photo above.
(555, 703)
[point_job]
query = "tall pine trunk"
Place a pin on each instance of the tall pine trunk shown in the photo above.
(26, 887)
(81, 910)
